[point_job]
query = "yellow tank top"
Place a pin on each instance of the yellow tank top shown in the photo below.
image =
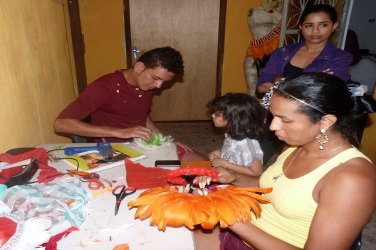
(289, 214)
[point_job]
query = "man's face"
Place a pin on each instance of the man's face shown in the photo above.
(152, 78)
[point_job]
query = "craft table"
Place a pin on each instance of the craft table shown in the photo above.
(103, 230)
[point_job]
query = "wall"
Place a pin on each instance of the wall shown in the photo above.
(36, 79)
(237, 39)
(97, 19)
(363, 10)
(369, 136)
(111, 54)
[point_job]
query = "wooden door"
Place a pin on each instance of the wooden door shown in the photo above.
(192, 27)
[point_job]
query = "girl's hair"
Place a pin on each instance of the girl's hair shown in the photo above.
(318, 94)
(326, 8)
(242, 112)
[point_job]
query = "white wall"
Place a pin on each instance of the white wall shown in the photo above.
(363, 11)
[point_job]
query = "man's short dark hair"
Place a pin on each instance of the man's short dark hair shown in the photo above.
(165, 57)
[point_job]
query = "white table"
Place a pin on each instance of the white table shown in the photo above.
(103, 230)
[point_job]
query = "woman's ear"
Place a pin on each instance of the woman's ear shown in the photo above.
(327, 121)
(335, 25)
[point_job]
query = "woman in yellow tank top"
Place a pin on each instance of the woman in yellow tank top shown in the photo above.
(324, 189)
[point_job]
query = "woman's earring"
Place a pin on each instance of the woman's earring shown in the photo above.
(322, 138)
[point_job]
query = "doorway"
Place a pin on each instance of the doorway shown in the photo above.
(196, 29)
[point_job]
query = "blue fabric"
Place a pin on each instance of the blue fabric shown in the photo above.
(2, 190)
(62, 200)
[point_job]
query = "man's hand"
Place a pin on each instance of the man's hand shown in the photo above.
(139, 131)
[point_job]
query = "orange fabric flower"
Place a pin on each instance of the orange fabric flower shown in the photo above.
(166, 206)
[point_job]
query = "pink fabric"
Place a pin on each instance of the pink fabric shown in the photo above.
(52, 243)
(141, 177)
(181, 152)
(8, 228)
(46, 174)
(230, 241)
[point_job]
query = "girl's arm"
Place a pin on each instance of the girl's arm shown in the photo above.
(255, 169)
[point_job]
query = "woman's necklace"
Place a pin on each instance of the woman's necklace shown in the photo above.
(276, 177)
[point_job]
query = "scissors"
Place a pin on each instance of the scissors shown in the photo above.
(120, 195)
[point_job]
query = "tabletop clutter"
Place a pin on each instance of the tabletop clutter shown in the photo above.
(41, 204)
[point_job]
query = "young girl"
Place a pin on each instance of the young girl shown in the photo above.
(241, 115)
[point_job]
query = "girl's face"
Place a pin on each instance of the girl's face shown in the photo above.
(317, 27)
(218, 120)
(289, 125)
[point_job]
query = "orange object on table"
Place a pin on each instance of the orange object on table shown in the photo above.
(121, 247)
(196, 164)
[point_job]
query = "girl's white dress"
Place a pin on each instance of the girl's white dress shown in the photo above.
(242, 152)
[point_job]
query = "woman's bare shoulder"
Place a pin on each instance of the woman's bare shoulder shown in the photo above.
(352, 173)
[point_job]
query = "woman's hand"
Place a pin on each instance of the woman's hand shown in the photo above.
(199, 191)
(224, 177)
(328, 71)
(263, 88)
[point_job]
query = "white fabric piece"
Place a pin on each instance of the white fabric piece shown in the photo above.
(364, 72)
(242, 152)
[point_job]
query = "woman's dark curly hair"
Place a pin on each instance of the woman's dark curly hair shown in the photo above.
(242, 112)
(323, 94)
(165, 57)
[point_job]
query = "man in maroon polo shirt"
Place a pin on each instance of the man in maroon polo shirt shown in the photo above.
(119, 103)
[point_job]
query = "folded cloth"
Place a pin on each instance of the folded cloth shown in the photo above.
(141, 177)
(46, 174)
